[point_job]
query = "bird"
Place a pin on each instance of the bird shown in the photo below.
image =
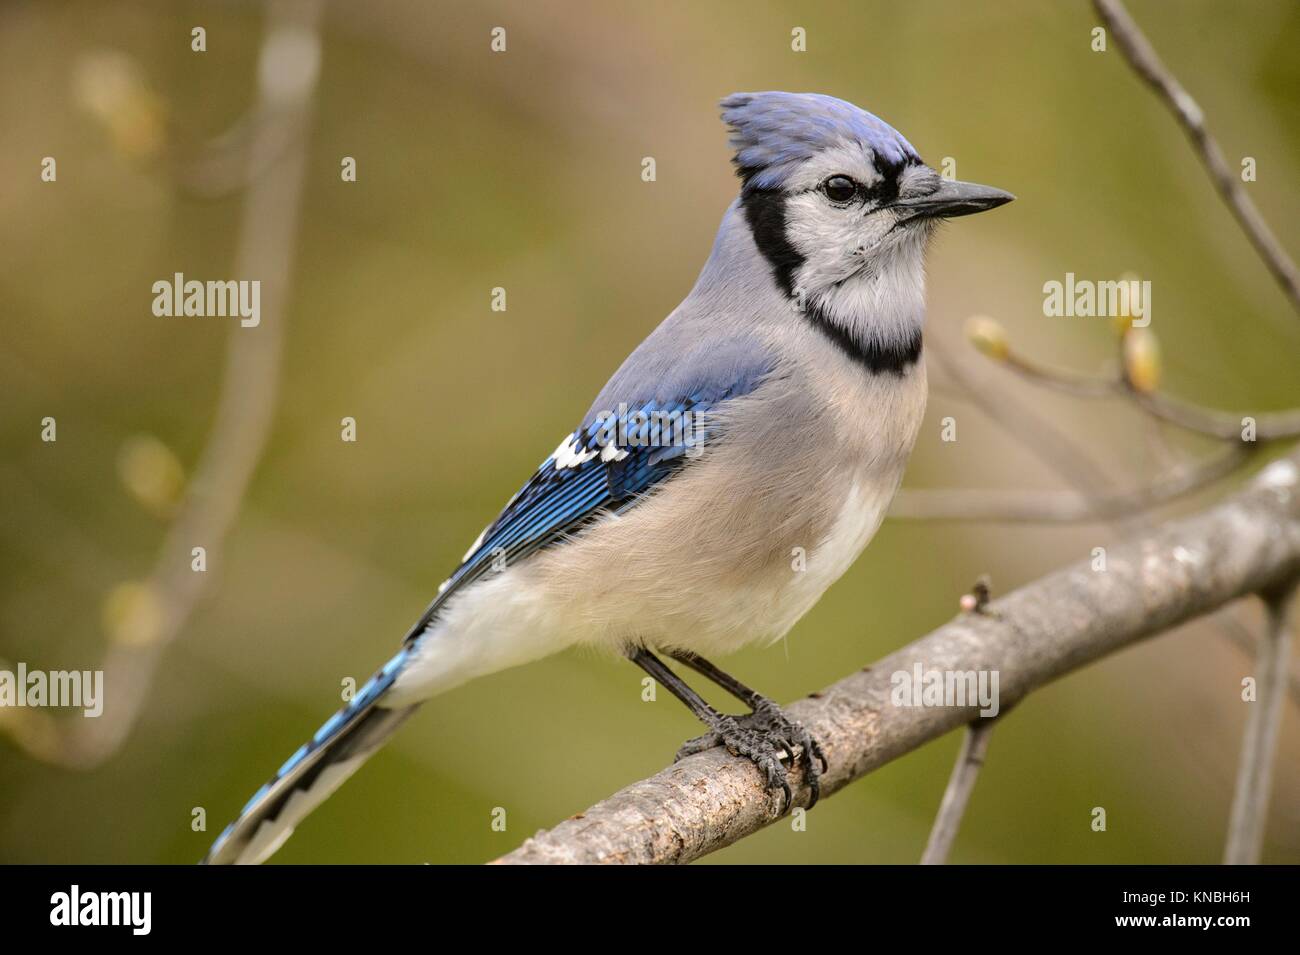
(771, 414)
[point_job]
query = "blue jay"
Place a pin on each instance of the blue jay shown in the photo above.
(796, 364)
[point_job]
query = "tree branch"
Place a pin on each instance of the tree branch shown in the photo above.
(1222, 425)
(1063, 454)
(1146, 63)
(1060, 507)
(1245, 544)
(1259, 745)
(974, 747)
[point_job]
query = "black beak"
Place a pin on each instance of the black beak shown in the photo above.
(952, 199)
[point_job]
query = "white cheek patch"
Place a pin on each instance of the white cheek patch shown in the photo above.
(874, 227)
(834, 242)
(887, 304)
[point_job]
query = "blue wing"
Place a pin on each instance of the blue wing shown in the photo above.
(678, 376)
(603, 466)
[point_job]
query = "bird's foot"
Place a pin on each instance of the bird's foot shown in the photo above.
(766, 737)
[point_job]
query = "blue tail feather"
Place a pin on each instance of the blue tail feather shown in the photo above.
(314, 770)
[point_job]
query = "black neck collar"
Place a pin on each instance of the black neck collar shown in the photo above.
(765, 212)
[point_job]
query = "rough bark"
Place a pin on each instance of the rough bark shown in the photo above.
(1246, 544)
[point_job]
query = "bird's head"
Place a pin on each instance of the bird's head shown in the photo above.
(833, 195)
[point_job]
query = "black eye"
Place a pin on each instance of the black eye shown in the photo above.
(839, 188)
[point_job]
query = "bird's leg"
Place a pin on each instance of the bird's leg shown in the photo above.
(767, 716)
(762, 747)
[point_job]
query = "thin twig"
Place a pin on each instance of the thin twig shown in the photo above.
(1092, 501)
(1061, 507)
(1259, 744)
(1073, 383)
(974, 746)
(1038, 434)
(245, 411)
(1271, 426)
(1059, 451)
(1146, 63)
(231, 161)
(1222, 425)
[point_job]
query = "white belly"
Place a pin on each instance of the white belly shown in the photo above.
(858, 520)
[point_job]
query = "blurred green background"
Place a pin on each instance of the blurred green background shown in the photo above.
(522, 170)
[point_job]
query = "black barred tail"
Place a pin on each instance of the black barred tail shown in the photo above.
(311, 775)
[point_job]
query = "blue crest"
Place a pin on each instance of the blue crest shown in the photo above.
(774, 132)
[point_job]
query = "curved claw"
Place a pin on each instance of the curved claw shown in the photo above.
(820, 756)
(769, 739)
